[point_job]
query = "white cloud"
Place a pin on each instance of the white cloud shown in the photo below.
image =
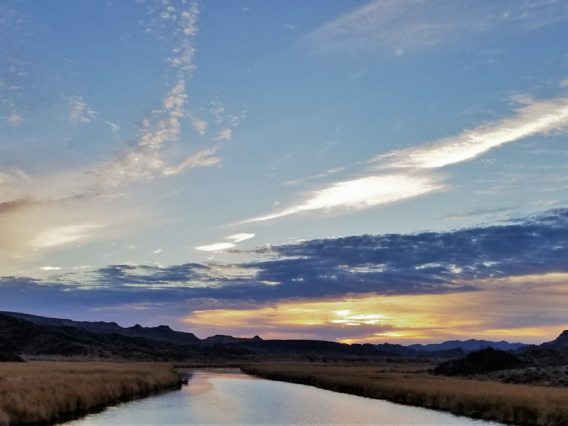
(14, 119)
(542, 117)
(158, 251)
(79, 111)
(398, 26)
(62, 234)
(216, 247)
(176, 98)
(114, 127)
(362, 193)
(237, 238)
(50, 268)
(217, 110)
(201, 159)
(412, 177)
(564, 83)
(52, 210)
(200, 126)
(224, 135)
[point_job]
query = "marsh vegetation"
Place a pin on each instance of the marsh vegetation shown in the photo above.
(411, 384)
(42, 391)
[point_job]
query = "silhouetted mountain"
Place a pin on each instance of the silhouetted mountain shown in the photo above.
(397, 349)
(468, 345)
(221, 339)
(162, 333)
(24, 337)
(559, 344)
(311, 348)
(40, 336)
(409, 352)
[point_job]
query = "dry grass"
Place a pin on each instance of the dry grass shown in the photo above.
(42, 391)
(406, 384)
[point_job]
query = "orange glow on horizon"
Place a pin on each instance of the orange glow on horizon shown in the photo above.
(499, 311)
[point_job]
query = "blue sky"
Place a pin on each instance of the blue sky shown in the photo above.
(198, 164)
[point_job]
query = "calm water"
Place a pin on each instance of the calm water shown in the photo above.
(230, 397)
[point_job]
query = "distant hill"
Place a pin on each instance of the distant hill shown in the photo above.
(468, 345)
(221, 339)
(397, 349)
(162, 333)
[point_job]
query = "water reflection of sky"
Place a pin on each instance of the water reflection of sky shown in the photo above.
(232, 398)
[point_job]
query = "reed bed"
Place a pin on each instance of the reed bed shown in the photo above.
(518, 404)
(39, 391)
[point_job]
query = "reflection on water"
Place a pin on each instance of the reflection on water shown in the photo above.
(233, 398)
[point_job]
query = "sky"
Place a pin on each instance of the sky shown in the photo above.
(363, 171)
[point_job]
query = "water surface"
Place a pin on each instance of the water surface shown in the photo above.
(233, 398)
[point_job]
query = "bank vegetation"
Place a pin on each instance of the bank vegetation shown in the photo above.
(37, 391)
(413, 385)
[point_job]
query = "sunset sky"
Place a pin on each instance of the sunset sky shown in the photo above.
(385, 171)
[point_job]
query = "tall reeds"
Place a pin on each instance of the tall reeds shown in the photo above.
(518, 404)
(42, 391)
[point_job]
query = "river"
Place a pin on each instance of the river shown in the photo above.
(232, 398)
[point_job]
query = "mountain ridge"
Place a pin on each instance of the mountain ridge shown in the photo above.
(165, 335)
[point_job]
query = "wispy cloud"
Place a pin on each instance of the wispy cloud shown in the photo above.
(224, 135)
(79, 111)
(216, 247)
(477, 213)
(408, 173)
(398, 26)
(200, 126)
(361, 193)
(50, 268)
(204, 158)
(63, 234)
(237, 238)
(62, 208)
(321, 175)
(114, 127)
(14, 119)
(538, 117)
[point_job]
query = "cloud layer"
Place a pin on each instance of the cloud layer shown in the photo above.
(399, 26)
(393, 264)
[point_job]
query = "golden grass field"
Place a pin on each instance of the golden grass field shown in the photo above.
(41, 391)
(412, 385)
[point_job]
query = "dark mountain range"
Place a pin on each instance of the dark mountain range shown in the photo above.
(468, 345)
(312, 348)
(397, 349)
(409, 352)
(33, 336)
(162, 333)
(559, 344)
(21, 337)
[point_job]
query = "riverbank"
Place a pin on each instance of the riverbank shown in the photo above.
(412, 385)
(40, 391)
